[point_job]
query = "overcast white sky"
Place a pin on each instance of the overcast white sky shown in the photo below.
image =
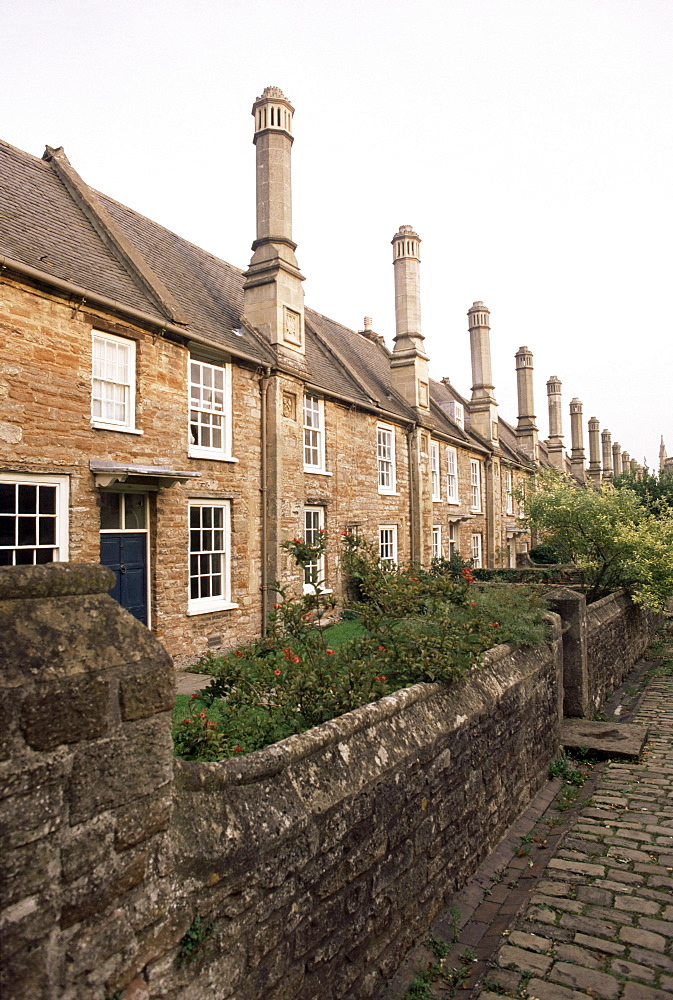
(528, 142)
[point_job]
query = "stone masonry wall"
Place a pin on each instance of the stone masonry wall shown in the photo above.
(618, 633)
(315, 863)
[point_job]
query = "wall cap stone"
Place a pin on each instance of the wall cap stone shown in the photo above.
(54, 580)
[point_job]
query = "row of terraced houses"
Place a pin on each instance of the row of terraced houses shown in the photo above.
(177, 419)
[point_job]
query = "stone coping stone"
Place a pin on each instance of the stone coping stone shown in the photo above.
(606, 738)
(54, 580)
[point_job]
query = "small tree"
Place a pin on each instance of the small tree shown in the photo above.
(608, 534)
(654, 490)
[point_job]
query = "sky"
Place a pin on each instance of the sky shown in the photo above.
(528, 142)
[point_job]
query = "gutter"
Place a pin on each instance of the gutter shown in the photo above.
(263, 489)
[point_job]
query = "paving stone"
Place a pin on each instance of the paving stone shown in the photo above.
(577, 867)
(598, 944)
(587, 925)
(642, 938)
(533, 942)
(623, 968)
(592, 894)
(557, 903)
(581, 956)
(658, 926)
(527, 960)
(551, 888)
(633, 904)
(615, 916)
(636, 991)
(550, 991)
(586, 979)
(628, 853)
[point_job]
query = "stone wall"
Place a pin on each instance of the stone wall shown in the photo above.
(617, 633)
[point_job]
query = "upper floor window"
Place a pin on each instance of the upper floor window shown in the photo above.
(388, 544)
(509, 500)
(314, 434)
(209, 569)
(385, 450)
(33, 519)
(475, 484)
(434, 471)
(452, 475)
(209, 409)
(113, 382)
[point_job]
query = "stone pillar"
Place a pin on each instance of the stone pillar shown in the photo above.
(633, 466)
(577, 437)
(526, 429)
(409, 363)
(483, 407)
(594, 451)
(273, 295)
(626, 463)
(616, 459)
(572, 607)
(555, 442)
(606, 444)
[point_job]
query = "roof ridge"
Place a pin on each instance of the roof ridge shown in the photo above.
(341, 361)
(111, 234)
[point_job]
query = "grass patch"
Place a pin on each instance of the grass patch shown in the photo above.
(336, 635)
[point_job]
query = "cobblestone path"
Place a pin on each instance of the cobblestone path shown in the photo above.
(599, 922)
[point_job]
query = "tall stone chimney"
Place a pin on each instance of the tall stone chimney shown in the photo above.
(616, 459)
(626, 463)
(594, 451)
(555, 441)
(634, 467)
(606, 445)
(408, 363)
(577, 438)
(273, 295)
(483, 407)
(526, 428)
(662, 453)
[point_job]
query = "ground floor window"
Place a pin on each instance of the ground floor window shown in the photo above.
(314, 572)
(436, 541)
(388, 544)
(453, 539)
(33, 519)
(476, 551)
(209, 568)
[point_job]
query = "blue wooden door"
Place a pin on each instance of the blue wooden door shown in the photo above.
(125, 553)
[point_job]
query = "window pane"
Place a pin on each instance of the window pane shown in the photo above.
(7, 498)
(43, 556)
(25, 557)
(7, 525)
(27, 530)
(134, 511)
(47, 531)
(110, 516)
(27, 499)
(47, 499)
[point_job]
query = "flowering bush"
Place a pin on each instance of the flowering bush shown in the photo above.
(418, 626)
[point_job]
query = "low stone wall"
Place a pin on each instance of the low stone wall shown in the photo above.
(617, 634)
(313, 864)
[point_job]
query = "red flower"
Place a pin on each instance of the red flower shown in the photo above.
(296, 659)
(495, 624)
(381, 647)
(238, 749)
(377, 678)
(330, 652)
(202, 715)
(277, 606)
(193, 696)
(186, 720)
(237, 652)
(277, 673)
(383, 677)
(415, 579)
(473, 604)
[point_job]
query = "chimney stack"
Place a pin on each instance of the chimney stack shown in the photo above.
(594, 451)
(409, 363)
(526, 428)
(483, 407)
(606, 443)
(273, 294)
(555, 442)
(616, 459)
(577, 438)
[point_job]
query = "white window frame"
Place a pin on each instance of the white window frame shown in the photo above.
(452, 475)
(436, 541)
(476, 550)
(388, 544)
(509, 496)
(62, 484)
(221, 601)
(385, 457)
(453, 538)
(459, 415)
(314, 430)
(475, 484)
(317, 516)
(222, 409)
(434, 471)
(127, 387)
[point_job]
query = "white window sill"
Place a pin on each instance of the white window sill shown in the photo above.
(208, 608)
(388, 493)
(476, 510)
(214, 456)
(454, 503)
(100, 426)
(436, 499)
(308, 589)
(317, 472)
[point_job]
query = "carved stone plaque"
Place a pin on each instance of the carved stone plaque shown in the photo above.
(289, 405)
(292, 327)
